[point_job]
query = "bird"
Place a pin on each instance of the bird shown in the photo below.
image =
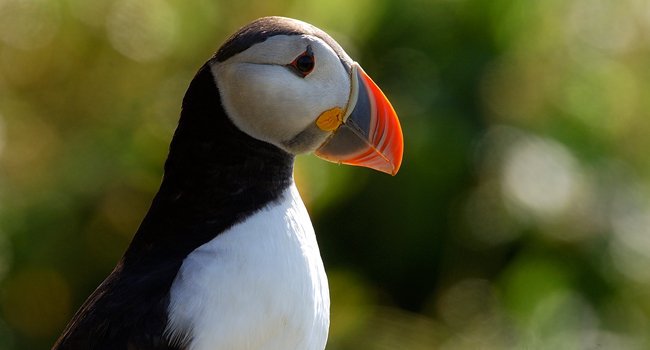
(226, 256)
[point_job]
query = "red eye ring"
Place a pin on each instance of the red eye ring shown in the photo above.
(304, 63)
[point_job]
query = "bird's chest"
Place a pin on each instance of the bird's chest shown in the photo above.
(259, 285)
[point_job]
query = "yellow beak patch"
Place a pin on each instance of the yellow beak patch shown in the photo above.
(330, 120)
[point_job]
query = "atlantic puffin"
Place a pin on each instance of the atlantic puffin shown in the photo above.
(226, 257)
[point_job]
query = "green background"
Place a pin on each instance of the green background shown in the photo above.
(520, 218)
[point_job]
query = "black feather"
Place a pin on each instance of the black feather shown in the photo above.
(215, 176)
(263, 28)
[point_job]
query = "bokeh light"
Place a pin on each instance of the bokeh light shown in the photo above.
(520, 218)
(540, 176)
(2, 135)
(142, 30)
(29, 24)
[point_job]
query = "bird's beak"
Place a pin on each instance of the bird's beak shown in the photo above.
(367, 133)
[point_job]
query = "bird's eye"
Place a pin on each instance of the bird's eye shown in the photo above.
(304, 63)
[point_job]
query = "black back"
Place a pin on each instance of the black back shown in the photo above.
(215, 176)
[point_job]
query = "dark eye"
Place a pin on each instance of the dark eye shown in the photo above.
(304, 63)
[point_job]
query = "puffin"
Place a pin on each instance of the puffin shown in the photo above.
(226, 257)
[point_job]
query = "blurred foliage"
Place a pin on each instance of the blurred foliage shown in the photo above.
(520, 218)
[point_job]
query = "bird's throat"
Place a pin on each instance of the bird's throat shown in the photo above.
(215, 176)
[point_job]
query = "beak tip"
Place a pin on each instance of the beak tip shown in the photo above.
(397, 150)
(395, 170)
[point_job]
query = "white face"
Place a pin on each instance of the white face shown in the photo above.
(269, 101)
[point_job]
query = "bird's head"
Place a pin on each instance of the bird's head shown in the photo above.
(290, 84)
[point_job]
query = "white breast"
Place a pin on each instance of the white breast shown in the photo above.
(260, 285)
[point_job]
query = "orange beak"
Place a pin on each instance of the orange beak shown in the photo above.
(369, 133)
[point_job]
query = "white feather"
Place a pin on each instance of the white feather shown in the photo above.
(260, 285)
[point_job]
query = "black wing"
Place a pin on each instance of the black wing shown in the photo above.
(128, 311)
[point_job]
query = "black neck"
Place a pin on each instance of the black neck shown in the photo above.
(215, 176)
